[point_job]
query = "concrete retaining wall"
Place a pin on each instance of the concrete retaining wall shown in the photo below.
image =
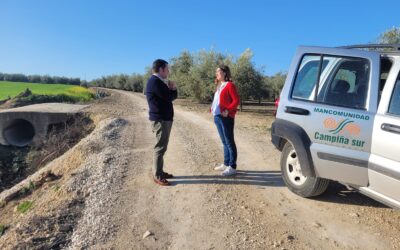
(29, 125)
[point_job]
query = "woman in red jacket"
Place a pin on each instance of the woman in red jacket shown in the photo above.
(224, 107)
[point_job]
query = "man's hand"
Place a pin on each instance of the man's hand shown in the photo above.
(225, 113)
(171, 85)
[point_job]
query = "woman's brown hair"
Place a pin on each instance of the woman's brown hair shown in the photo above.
(227, 71)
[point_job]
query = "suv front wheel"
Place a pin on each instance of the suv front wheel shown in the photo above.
(305, 186)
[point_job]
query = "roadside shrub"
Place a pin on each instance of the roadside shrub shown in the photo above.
(101, 94)
(3, 229)
(24, 206)
(28, 189)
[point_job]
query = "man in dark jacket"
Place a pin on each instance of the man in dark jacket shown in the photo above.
(160, 93)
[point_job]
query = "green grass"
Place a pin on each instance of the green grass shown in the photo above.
(12, 89)
(24, 206)
(2, 229)
(56, 188)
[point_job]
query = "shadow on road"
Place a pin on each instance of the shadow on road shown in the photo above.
(243, 177)
(338, 193)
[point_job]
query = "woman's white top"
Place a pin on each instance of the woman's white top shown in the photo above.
(215, 105)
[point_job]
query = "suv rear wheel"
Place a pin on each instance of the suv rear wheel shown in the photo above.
(305, 186)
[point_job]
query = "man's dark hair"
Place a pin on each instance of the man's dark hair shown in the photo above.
(159, 63)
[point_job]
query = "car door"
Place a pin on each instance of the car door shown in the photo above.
(334, 102)
(384, 166)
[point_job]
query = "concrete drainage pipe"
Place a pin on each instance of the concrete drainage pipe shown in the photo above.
(19, 133)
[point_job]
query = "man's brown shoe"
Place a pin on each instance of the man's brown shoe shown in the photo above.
(167, 176)
(161, 181)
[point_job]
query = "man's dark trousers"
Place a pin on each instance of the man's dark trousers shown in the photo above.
(162, 130)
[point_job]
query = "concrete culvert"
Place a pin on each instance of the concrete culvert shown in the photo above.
(19, 133)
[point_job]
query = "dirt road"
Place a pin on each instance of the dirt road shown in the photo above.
(203, 210)
(119, 202)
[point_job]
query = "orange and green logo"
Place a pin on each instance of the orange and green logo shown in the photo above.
(338, 128)
(343, 131)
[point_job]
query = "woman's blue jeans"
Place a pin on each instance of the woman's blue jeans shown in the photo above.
(225, 126)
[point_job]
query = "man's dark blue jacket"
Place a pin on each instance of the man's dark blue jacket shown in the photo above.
(159, 98)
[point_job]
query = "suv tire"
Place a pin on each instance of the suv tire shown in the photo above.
(305, 186)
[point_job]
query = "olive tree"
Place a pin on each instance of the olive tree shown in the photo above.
(391, 36)
(247, 78)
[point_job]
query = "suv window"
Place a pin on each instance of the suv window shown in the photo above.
(306, 77)
(394, 106)
(346, 84)
(386, 65)
(343, 81)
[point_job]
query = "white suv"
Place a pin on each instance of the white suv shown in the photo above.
(338, 119)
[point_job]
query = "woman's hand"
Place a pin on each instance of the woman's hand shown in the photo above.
(225, 113)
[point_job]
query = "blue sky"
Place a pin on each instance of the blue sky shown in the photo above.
(88, 39)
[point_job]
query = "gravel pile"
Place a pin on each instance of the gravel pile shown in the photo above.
(98, 181)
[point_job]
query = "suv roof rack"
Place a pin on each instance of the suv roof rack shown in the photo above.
(393, 47)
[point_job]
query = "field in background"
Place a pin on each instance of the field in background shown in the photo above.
(263, 107)
(12, 89)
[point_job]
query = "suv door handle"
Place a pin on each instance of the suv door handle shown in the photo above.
(390, 128)
(296, 110)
